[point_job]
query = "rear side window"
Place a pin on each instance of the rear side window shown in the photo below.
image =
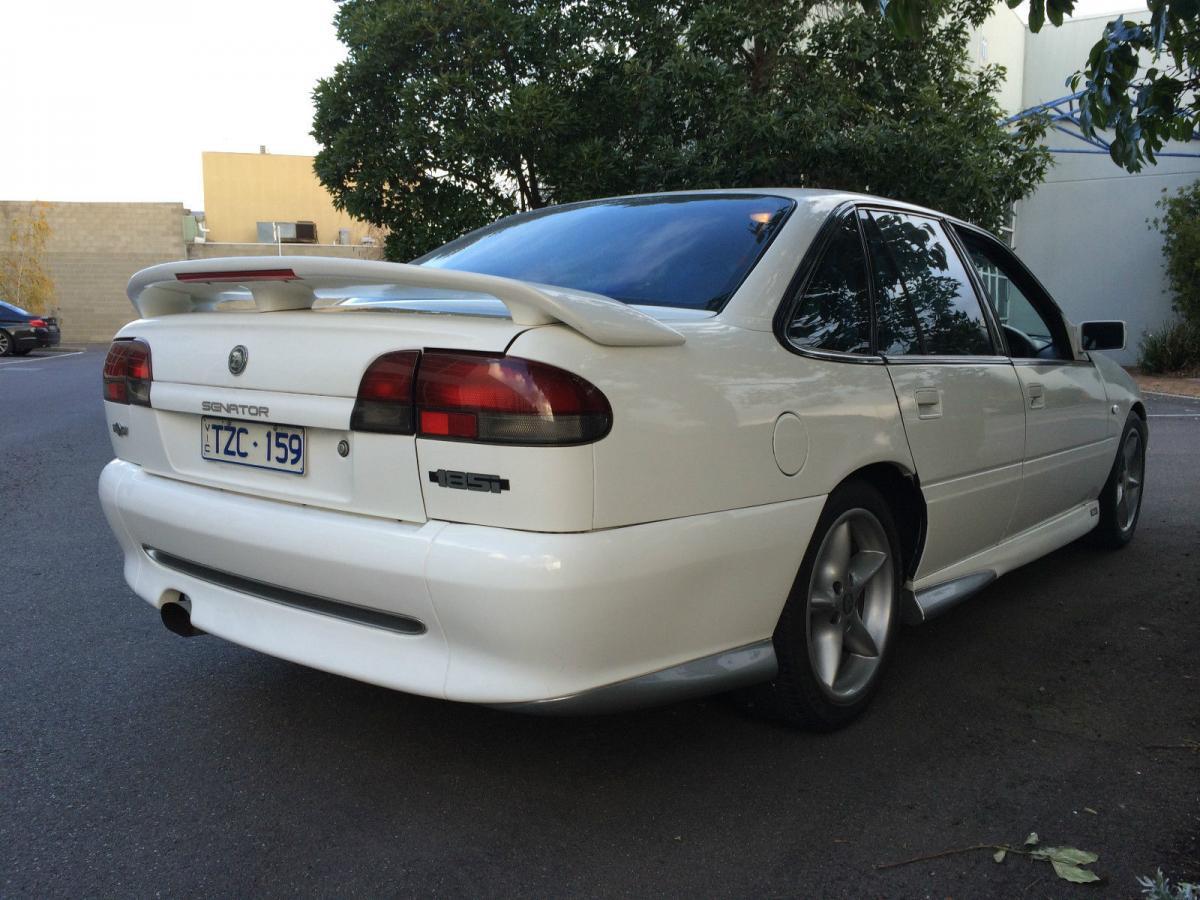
(925, 302)
(677, 250)
(834, 312)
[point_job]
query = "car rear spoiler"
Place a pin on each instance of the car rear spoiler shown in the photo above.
(287, 283)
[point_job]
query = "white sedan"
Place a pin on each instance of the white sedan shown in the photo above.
(613, 453)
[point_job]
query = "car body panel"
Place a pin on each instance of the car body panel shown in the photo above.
(1018, 549)
(1120, 390)
(694, 426)
(510, 616)
(675, 537)
(1068, 444)
(967, 445)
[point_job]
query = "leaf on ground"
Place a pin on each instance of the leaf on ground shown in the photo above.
(1069, 855)
(998, 856)
(1032, 839)
(1074, 874)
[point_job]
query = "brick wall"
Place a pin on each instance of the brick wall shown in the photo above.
(92, 251)
(95, 247)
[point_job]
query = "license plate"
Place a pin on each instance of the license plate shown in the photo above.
(261, 445)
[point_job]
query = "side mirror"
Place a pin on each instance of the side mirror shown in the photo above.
(1102, 335)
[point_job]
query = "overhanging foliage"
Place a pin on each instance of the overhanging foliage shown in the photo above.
(447, 115)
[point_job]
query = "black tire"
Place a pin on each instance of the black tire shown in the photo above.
(797, 695)
(1118, 520)
(6, 343)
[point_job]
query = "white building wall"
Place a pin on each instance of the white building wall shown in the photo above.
(1084, 231)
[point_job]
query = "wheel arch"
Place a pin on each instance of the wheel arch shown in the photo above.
(902, 491)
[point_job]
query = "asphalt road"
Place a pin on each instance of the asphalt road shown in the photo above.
(134, 762)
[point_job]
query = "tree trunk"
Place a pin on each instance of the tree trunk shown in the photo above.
(535, 193)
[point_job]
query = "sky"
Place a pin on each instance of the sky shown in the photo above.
(117, 100)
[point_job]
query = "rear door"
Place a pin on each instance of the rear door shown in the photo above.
(959, 396)
(1068, 445)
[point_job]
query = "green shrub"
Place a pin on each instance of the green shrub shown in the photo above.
(1172, 348)
(1180, 226)
(1176, 347)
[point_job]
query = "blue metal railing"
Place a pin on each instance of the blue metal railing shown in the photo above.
(1063, 115)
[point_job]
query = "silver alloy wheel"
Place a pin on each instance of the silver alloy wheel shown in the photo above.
(4, 344)
(1131, 471)
(850, 604)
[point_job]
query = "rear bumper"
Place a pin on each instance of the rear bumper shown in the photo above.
(48, 338)
(25, 337)
(590, 621)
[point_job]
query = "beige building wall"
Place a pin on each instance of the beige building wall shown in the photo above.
(242, 189)
(1000, 41)
(93, 249)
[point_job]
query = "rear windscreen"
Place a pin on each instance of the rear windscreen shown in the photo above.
(686, 250)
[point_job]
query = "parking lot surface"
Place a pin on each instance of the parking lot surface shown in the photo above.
(1064, 699)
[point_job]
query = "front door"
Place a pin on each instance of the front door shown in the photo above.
(1068, 445)
(960, 397)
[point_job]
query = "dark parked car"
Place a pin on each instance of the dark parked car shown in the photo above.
(22, 331)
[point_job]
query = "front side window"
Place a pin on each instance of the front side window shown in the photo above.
(834, 312)
(926, 304)
(1010, 290)
(684, 250)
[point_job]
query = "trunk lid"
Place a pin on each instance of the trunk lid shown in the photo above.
(302, 371)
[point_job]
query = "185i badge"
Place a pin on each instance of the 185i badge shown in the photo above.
(469, 481)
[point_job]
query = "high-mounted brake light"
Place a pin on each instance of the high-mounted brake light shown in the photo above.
(238, 276)
(127, 373)
(481, 398)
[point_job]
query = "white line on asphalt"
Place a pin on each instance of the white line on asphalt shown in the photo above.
(38, 359)
(1175, 396)
(1174, 416)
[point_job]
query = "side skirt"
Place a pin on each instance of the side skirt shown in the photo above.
(934, 594)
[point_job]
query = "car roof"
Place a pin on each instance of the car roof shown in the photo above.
(818, 200)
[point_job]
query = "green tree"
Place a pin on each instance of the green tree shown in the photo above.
(23, 277)
(447, 115)
(1143, 107)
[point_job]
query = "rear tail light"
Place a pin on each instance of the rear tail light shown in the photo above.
(127, 373)
(384, 401)
(481, 398)
(37, 323)
(506, 400)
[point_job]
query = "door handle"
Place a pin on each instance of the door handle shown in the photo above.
(1037, 395)
(929, 403)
